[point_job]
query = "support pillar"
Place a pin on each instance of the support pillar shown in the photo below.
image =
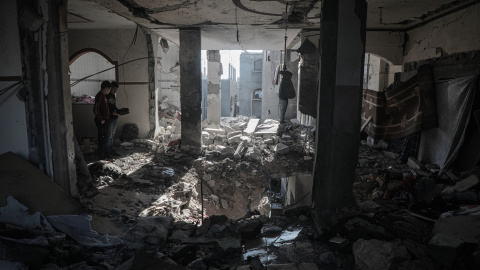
(44, 45)
(214, 95)
(339, 107)
(191, 90)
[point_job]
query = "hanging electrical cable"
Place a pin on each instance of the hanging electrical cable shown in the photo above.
(285, 44)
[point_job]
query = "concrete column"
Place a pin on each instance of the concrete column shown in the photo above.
(339, 107)
(44, 46)
(214, 94)
(191, 90)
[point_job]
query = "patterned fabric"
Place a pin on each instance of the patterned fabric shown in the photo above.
(406, 147)
(402, 111)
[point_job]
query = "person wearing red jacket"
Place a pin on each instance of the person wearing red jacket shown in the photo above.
(102, 114)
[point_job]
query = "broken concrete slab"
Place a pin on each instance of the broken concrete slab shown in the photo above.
(215, 131)
(235, 139)
(464, 228)
(251, 126)
(281, 149)
(445, 249)
(414, 163)
(375, 254)
(78, 227)
(463, 185)
(30, 186)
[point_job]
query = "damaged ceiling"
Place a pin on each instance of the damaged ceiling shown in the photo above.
(247, 24)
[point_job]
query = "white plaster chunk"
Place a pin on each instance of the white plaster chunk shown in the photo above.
(246, 139)
(126, 144)
(238, 153)
(220, 148)
(164, 106)
(269, 141)
(251, 126)
(234, 139)
(286, 137)
(227, 129)
(281, 148)
(215, 131)
(463, 185)
(233, 133)
(239, 126)
(414, 163)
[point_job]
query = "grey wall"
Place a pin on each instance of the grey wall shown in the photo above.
(225, 98)
(249, 80)
(14, 130)
(134, 94)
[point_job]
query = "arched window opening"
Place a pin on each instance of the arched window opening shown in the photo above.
(88, 69)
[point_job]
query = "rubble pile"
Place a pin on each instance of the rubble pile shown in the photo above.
(413, 215)
(154, 206)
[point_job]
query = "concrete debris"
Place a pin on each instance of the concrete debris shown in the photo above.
(17, 214)
(78, 227)
(150, 198)
(375, 254)
(281, 149)
(414, 163)
(463, 185)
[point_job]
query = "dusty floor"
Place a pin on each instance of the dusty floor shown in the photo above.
(147, 207)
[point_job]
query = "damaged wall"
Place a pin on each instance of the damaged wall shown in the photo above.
(250, 79)
(455, 33)
(386, 44)
(168, 73)
(133, 77)
(270, 109)
(14, 130)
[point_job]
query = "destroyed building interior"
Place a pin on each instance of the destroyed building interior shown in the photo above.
(375, 165)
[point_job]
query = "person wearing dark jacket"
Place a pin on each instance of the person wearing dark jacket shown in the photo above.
(282, 93)
(112, 122)
(102, 115)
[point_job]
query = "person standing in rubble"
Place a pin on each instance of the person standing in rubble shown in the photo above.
(102, 115)
(112, 122)
(285, 85)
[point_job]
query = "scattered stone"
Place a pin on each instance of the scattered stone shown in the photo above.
(391, 155)
(445, 249)
(463, 185)
(281, 149)
(414, 163)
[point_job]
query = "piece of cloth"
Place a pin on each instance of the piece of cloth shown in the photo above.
(283, 104)
(404, 110)
(406, 147)
(112, 127)
(101, 109)
(455, 99)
